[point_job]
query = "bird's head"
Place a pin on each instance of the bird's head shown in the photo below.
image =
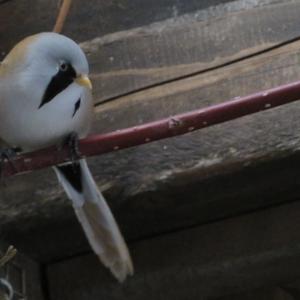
(48, 63)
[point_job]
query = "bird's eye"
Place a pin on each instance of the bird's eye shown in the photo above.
(63, 67)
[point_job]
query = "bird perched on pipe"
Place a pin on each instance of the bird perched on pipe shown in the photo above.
(45, 97)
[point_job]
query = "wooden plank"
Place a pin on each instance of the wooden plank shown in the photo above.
(219, 259)
(142, 191)
(178, 203)
(172, 183)
(181, 182)
(87, 20)
(127, 61)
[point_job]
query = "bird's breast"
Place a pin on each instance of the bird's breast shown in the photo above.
(26, 125)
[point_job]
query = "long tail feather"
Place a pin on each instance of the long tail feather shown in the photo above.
(96, 218)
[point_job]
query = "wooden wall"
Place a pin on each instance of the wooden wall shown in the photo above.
(209, 214)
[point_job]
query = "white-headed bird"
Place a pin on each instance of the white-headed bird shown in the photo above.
(45, 97)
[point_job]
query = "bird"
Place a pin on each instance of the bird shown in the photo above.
(46, 98)
(6, 290)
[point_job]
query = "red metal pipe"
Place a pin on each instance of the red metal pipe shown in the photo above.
(153, 131)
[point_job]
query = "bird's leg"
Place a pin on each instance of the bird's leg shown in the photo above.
(8, 154)
(72, 142)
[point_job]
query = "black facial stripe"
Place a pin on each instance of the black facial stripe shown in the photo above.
(76, 107)
(58, 83)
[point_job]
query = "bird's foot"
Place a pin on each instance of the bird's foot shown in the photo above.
(72, 142)
(8, 154)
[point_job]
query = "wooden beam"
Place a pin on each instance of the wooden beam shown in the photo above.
(89, 19)
(218, 259)
(127, 61)
(147, 187)
(126, 53)
(127, 175)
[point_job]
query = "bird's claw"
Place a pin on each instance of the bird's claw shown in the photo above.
(72, 142)
(7, 154)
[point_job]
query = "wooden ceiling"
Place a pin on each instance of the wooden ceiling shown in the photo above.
(151, 61)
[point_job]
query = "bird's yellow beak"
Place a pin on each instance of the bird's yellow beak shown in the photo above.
(83, 80)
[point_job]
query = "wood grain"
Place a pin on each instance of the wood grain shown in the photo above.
(219, 259)
(125, 57)
(189, 180)
(210, 214)
(173, 183)
(88, 19)
(127, 61)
